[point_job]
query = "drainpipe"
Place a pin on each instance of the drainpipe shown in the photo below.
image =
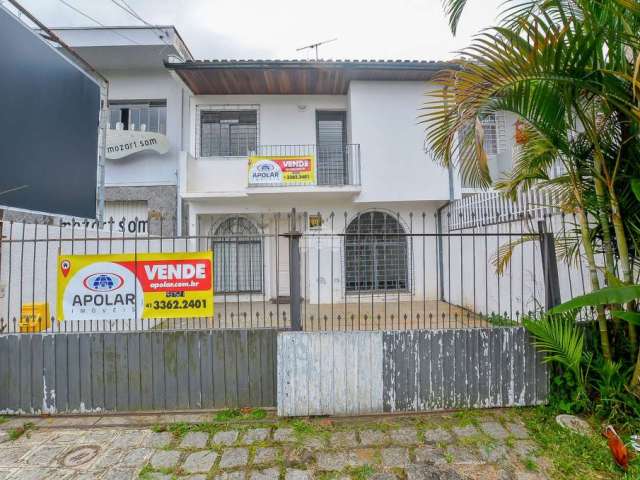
(440, 231)
(439, 247)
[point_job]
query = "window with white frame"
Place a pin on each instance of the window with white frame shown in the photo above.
(493, 125)
(228, 132)
(147, 116)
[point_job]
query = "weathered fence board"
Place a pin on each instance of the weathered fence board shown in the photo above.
(482, 368)
(348, 373)
(132, 371)
(337, 373)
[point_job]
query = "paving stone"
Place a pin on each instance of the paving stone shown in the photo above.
(165, 459)
(265, 455)
(45, 455)
(493, 453)
(343, 439)
(120, 474)
(194, 440)
(494, 430)
(429, 454)
(332, 460)
(518, 430)
(530, 476)
(43, 474)
(87, 476)
(199, 462)
(136, 457)
(363, 456)
(373, 437)
(234, 457)
(464, 432)
(108, 458)
(196, 477)
(462, 455)
(430, 472)
(268, 474)
(438, 435)
(395, 457)
(225, 438)
(383, 476)
(295, 474)
(132, 438)
(298, 456)
(314, 443)
(4, 436)
(524, 448)
(230, 476)
(66, 437)
(11, 455)
(4, 474)
(100, 436)
(158, 439)
(284, 435)
(255, 435)
(404, 436)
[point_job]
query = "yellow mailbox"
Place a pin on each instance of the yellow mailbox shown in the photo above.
(34, 317)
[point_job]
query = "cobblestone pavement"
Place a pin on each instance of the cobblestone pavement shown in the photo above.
(429, 447)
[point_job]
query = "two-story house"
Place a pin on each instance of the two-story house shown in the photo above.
(341, 140)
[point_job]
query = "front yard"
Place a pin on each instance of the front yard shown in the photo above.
(514, 444)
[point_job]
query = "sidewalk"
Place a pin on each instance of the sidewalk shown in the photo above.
(487, 445)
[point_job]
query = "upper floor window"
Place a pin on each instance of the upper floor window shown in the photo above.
(493, 125)
(144, 116)
(228, 132)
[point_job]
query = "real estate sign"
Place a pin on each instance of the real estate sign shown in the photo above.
(135, 286)
(282, 170)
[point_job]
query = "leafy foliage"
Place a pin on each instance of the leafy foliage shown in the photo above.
(604, 296)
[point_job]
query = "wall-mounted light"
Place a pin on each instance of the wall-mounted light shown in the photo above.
(302, 108)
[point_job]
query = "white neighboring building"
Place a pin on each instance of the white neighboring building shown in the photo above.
(143, 97)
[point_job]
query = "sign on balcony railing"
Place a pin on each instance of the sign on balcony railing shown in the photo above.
(282, 170)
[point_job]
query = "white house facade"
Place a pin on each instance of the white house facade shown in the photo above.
(358, 124)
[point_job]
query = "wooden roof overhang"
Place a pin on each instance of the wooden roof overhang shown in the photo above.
(295, 77)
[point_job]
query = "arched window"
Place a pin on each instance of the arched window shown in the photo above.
(375, 254)
(237, 256)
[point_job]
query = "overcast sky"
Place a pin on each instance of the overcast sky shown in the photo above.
(366, 29)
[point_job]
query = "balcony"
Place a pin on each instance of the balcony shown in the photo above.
(304, 165)
(272, 169)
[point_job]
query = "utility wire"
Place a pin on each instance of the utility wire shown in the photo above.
(77, 10)
(127, 8)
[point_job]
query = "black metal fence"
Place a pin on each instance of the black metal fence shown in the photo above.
(366, 270)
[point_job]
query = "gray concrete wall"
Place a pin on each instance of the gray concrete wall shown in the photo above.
(161, 201)
(134, 371)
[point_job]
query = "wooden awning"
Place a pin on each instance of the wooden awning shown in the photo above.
(290, 77)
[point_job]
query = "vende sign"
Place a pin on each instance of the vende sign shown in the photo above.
(133, 287)
(283, 170)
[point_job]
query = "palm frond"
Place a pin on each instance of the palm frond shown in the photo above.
(501, 258)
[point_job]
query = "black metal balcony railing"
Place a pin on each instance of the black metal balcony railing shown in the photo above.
(336, 165)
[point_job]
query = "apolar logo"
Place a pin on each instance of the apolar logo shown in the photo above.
(265, 171)
(103, 290)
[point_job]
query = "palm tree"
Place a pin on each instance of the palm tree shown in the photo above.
(565, 67)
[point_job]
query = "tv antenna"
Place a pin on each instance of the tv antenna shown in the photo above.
(316, 45)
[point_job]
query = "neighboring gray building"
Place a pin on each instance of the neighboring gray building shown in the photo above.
(145, 102)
